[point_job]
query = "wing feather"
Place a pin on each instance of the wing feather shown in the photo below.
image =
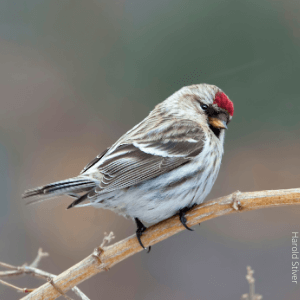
(94, 161)
(136, 160)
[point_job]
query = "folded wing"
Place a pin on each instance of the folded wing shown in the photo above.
(137, 160)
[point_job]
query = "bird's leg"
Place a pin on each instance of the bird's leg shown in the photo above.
(139, 232)
(182, 217)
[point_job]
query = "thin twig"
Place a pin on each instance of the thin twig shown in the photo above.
(25, 290)
(4, 265)
(32, 270)
(111, 255)
(79, 293)
(37, 260)
(107, 239)
(251, 280)
(24, 269)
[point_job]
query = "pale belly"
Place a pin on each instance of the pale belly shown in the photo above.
(162, 197)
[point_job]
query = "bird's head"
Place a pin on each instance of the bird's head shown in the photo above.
(204, 103)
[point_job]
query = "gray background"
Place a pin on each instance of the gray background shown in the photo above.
(75, 75)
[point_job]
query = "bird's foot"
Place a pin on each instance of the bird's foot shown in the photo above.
(139, 232)
(182, 217)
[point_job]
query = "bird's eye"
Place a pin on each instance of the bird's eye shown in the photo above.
(204, 106)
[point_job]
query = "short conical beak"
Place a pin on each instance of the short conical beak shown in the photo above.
(217, 123)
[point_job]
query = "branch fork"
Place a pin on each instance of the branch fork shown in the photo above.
(32, 270)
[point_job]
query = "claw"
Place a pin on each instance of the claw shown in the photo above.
(182, 217)
(139, 232)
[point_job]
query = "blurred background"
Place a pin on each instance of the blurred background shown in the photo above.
(76, 75)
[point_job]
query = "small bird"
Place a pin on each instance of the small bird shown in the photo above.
(163, 166)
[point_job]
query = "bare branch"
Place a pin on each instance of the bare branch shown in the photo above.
(25, 290)
(79, 293)
(24, 269)
(107, 257)
(107, 238)
(59, 290)
(4, 265)
(251, 281)
(31, 270)
(37, 260)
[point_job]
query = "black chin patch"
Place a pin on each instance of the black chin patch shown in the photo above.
(215, 130)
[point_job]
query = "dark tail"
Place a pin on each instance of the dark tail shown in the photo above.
(68, 186)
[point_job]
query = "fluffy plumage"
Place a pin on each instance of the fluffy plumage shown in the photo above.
(167, 162)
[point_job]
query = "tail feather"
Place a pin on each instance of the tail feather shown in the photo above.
(72, 185)
(79, 200)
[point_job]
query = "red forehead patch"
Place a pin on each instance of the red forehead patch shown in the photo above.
(223, 101)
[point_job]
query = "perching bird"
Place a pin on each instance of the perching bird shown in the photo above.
(161, 167)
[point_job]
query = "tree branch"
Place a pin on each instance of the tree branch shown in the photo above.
(104, 258)
(24, 290)
(32, 270)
